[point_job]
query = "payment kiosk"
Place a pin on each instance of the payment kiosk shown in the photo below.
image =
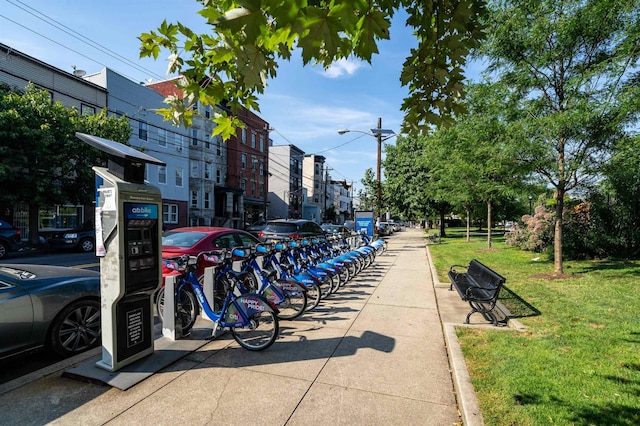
(128, 220)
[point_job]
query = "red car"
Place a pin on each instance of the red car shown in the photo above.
(194, 240)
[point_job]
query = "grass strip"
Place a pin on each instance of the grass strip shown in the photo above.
(578, 362)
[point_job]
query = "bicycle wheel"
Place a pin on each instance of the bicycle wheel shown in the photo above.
(187, 308)
(313, 296)
(260, 333)
(294, 305)
(326, 286)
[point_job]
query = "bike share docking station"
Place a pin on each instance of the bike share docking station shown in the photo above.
(128, 242)
(128, 221)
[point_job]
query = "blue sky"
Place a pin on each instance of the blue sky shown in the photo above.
(306, 106)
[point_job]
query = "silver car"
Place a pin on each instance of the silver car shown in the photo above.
(48, 306)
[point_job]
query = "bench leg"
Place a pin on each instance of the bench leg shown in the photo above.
(486, 313)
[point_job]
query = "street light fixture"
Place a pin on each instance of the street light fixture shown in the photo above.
(377, 133)
(530, 206)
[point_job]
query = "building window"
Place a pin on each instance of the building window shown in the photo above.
(162, 174)
(142, 131)
(218, 148)
(195, 169)
(253, 188)
(179, 142)
(179, 177)
(261, 168)
(194, 137)
(261, 143)
(218, 176)
(254, 161)
(244, 161)
(87, 110)
(243, 184)
(207, 142)
(162, 137)
(207, 111)
(194, 198)
(262, 189)
(207, 170)
(207, 200)
(244, 136)
(170, 213)
(253, 140)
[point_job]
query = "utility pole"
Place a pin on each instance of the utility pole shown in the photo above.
(378, 182)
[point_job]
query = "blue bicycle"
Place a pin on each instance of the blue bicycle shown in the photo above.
(252, 319)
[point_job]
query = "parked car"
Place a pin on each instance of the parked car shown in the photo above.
(10, 238)
(256, 227)
(83, 239)
(194, 240)
(48, 306)
(330, 229)
(290, 229)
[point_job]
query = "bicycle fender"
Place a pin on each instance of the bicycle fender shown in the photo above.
(291, 285)
(250, 304)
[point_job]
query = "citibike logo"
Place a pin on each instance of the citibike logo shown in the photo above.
(141, 210)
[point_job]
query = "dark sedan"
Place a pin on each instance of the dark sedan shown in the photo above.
(290, 229)
(48, 306)
(10, 239)
(83, 239)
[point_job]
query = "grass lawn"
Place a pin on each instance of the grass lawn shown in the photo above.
(578, 362)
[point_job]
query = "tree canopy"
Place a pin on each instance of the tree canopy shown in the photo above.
(40, 150)
(230, 65)
(571, 64)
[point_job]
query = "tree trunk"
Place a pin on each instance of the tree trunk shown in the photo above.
(489, 224)
(442, 228)
(557, 238)
(467, 207)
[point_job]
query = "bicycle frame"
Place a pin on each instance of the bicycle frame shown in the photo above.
(236, 310)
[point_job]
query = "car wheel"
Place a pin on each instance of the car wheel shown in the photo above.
(76, 328)
(87, 245)
(3, 250)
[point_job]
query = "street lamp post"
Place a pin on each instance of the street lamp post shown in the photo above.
(378, 132)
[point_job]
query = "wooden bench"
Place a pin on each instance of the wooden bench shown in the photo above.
(480, 286)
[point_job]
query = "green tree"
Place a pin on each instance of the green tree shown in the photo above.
(230, 65)
(367, 195)
(570, 63)
(40, 150)
(406, 178)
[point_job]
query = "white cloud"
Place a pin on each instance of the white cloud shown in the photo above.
(343, 67)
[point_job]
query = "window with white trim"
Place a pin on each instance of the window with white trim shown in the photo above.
(179, 176)
(170, 213)
(142, 130)
(162, 137)
(162, 174)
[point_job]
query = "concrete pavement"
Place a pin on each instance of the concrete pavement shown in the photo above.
(380, 351)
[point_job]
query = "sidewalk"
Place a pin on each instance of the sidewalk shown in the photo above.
(374, 353)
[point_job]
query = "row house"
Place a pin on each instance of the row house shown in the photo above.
(17, 70)
(205, 181)
(287, 194)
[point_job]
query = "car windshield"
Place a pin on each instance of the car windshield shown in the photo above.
(281, 228)
(182, 239)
